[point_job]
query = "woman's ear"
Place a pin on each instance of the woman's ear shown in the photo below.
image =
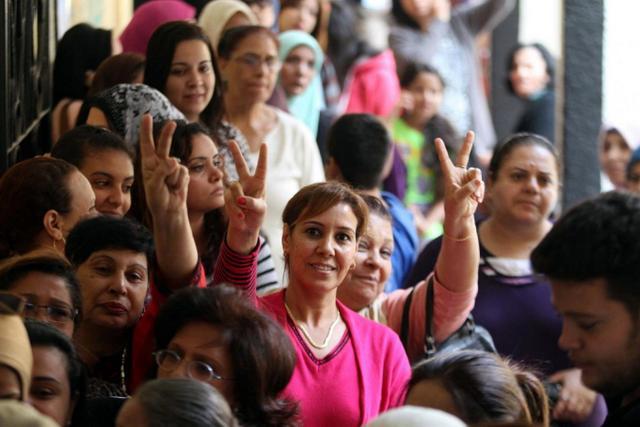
(285, 239)
(52, 223)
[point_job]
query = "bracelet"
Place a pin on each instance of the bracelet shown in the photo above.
(453, 239)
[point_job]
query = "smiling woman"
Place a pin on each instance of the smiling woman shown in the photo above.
(105, 160)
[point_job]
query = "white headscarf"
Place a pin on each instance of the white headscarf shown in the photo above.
(216, 15)
(414, 416)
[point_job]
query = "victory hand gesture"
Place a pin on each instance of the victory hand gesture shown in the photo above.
(463, 188)
(244, 201)
(165, 180)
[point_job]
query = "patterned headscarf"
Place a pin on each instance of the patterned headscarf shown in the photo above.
(125, 104)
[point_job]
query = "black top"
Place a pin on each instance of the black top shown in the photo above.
(622, 416)
(539, 116)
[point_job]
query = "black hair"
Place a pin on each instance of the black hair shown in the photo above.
(596, 239)
(261, 352)
(214, 221)
(44, 335)
(233, 36)
(78, 143)
(510, 143)
(107, 232)
(160, 52)
(550, 63)
(345, 45)
(486, 388)
(414, 69)
(360, 145)
(284, 4)
(47, 262)
(401, 17)
(82, 48)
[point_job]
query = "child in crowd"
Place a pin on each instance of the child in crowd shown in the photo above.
(413, 132)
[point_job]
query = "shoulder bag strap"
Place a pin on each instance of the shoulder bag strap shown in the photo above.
(429, 340)
(404, 327)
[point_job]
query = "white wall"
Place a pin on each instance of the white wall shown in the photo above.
(621, 61)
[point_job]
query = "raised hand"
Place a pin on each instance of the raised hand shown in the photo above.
(165, 180)
(463, 188)
(244, 201)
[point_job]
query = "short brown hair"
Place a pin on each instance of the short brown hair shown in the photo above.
(317, 198)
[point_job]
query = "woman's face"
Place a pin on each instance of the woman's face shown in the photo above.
(528, 72)
(191, 79)
(419, 10)
(525, 189)
(200, 341)
(43, 289)
(426, 93)
(110, 173)
(615, 153)
(9, 384)
(50, 391)
(265, 14)
(114, 284)
(252, 69)
(297, 70)
(302, 17)
(373, 265)
(321, 250)
(206, 170)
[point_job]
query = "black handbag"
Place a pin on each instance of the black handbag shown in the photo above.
(468, 337)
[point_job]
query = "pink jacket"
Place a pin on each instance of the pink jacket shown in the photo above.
(374, 87)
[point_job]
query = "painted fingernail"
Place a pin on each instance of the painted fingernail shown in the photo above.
(242, 201)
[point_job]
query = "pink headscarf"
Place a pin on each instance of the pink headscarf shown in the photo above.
(150, 16)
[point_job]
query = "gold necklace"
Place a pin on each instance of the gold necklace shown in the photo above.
(310, 340)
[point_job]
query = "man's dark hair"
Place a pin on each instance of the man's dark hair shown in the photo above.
(359, 144)
(597, 239)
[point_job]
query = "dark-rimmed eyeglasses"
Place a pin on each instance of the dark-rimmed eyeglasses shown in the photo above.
(58, 313)
(169, 360)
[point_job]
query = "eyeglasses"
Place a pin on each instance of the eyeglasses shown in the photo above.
(169, 361)
(255, 61)
(60, 314)
(11, 303)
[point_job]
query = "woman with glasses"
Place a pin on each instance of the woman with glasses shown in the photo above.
(215, 335)
(48, 285)
(248, 58)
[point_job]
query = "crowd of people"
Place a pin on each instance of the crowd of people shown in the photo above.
(250, 216)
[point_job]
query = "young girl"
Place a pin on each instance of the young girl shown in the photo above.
(413, 133)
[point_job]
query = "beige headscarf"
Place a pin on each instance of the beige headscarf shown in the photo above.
(15, 349)
(18, 414)
(216, 14)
